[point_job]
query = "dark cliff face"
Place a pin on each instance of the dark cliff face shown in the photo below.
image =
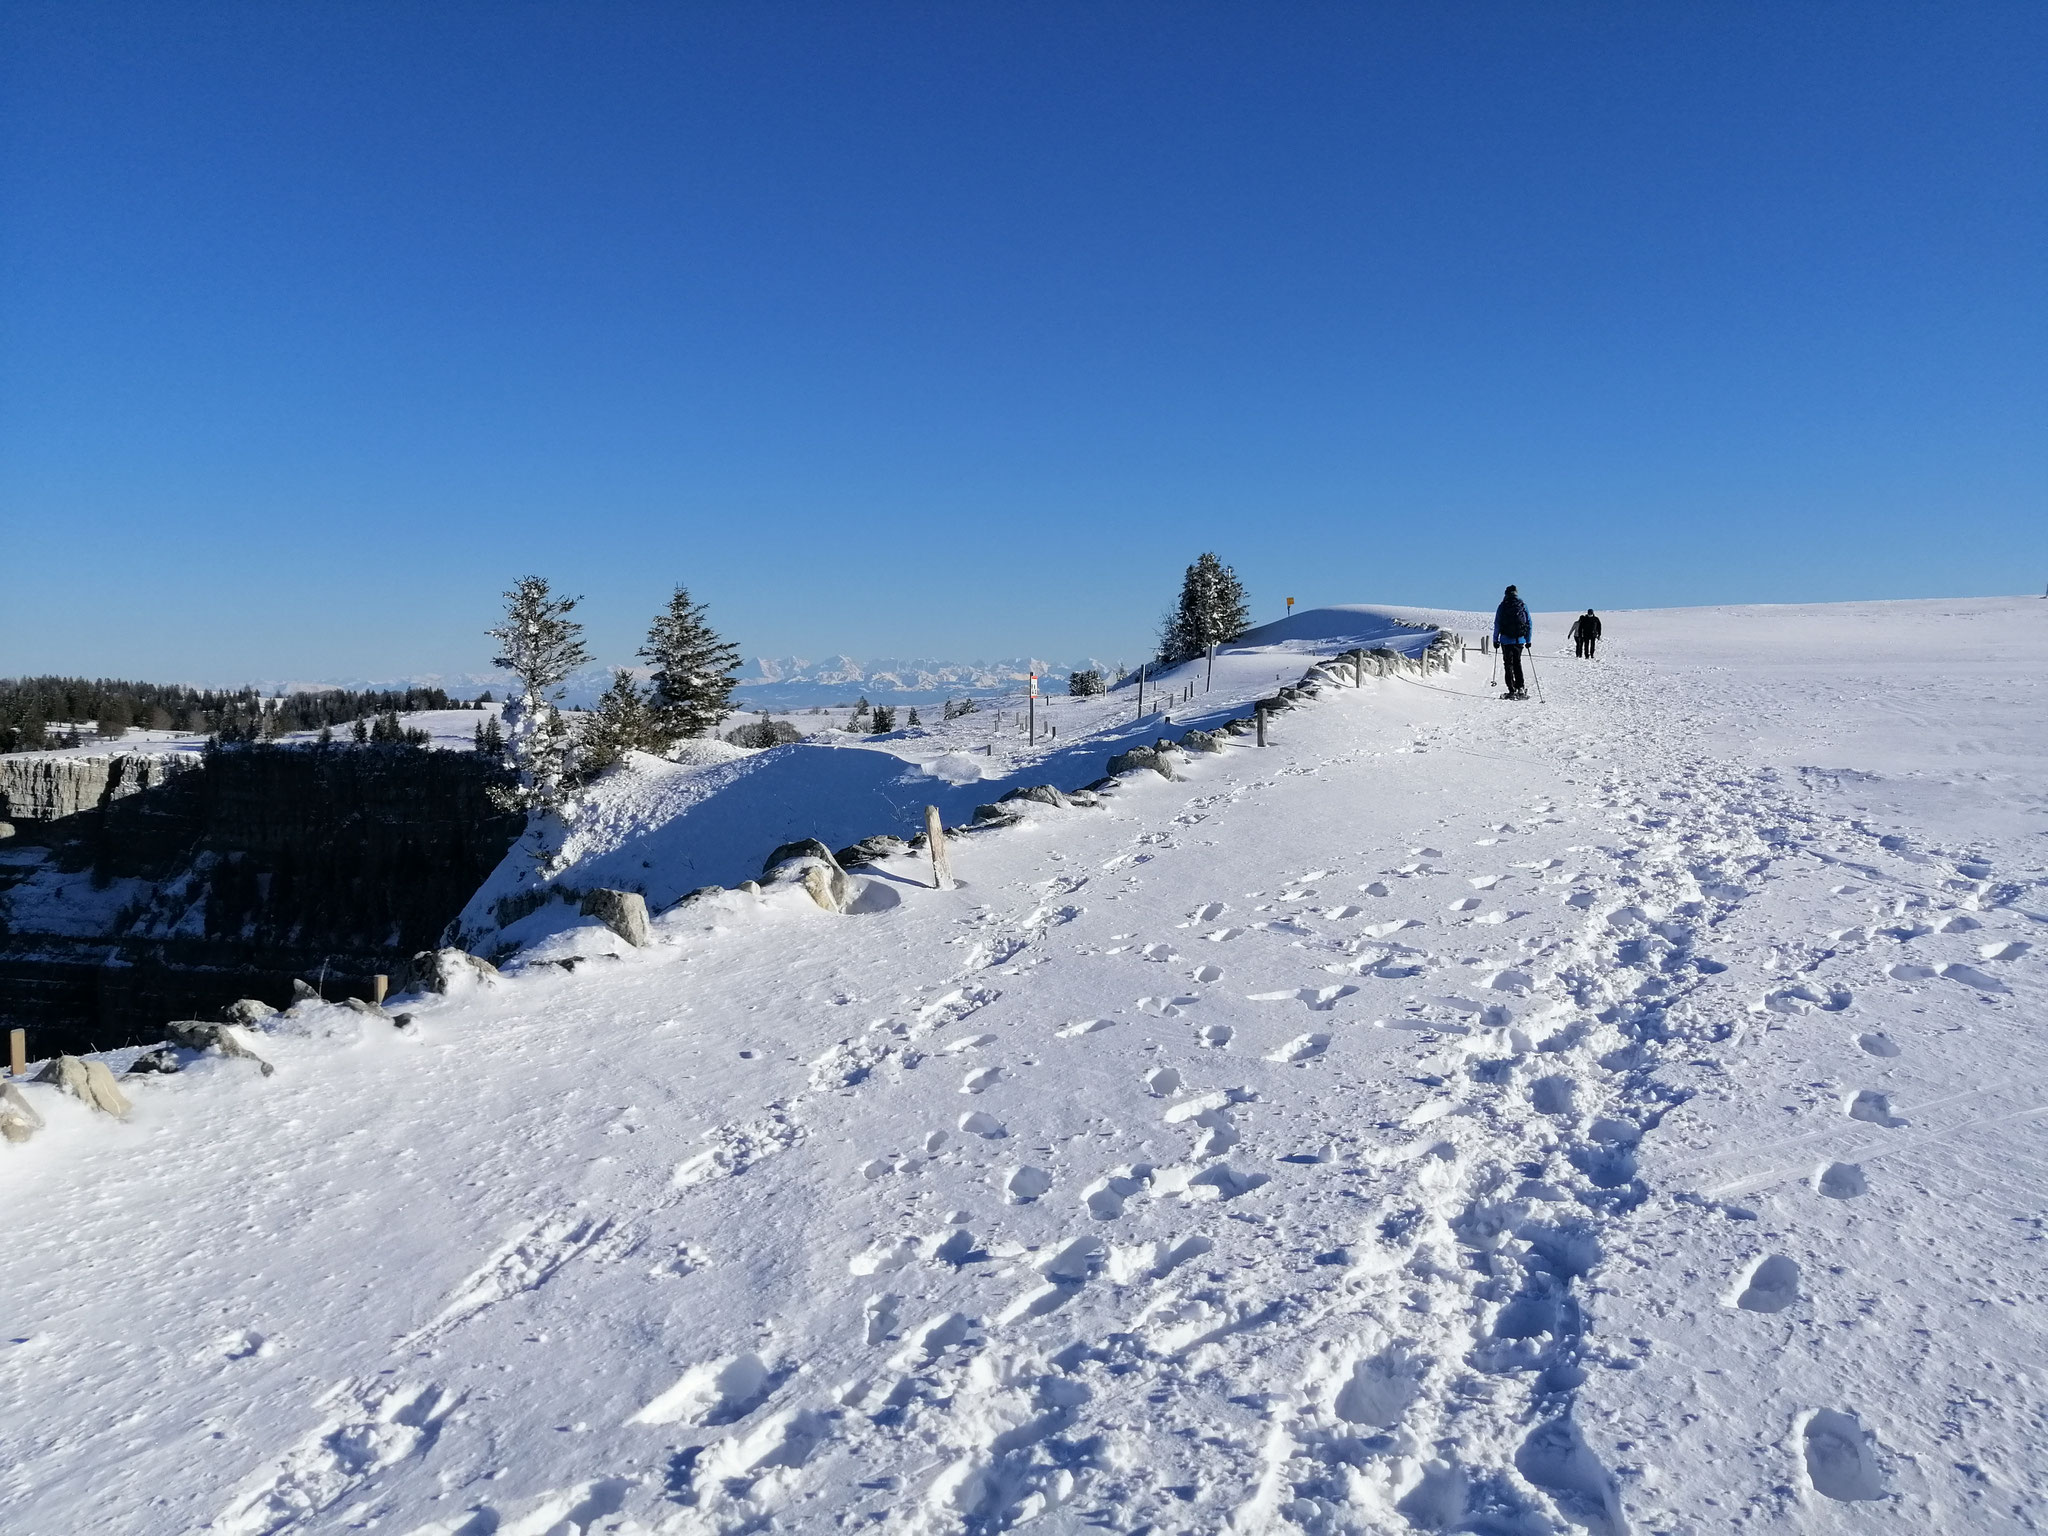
(269, 862)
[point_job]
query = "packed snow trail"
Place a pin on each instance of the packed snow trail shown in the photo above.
(1607, 1116)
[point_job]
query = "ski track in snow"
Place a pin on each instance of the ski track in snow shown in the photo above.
(1085, 1231)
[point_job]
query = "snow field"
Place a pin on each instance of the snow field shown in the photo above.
(1609, 1116)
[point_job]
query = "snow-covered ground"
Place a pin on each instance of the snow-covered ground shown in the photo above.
(1620, 1112)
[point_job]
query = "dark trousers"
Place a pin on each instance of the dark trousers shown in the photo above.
(1511, 667)
(1586, 645)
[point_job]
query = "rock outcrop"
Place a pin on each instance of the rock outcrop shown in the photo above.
(624, 912)
(89, 1080)
(36, 786)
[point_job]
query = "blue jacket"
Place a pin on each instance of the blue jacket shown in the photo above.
(1511, 622)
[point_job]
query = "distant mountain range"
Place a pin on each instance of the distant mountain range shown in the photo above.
(788, 682)
(792, 682)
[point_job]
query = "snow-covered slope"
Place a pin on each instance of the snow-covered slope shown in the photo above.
(1619, 1113)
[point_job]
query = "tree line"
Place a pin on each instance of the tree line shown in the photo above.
(38, 712)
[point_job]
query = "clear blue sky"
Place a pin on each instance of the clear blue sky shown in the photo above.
(958, 329)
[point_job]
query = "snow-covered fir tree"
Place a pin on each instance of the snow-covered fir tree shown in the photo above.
(622, 722)
(1083, 684)
(1212, 611)
(695, 671)
(542, 646)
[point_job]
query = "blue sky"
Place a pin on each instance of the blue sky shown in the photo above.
(959, 329)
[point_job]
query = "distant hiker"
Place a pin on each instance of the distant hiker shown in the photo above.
(1511, 632)
(1586, 633)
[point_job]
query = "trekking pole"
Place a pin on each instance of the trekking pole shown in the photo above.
(1529, 653)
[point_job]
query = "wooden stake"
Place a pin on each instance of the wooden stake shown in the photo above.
(17, 1052)
(379, 985)
(1260, 714)
(935, 838)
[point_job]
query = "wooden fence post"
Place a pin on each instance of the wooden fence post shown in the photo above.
(935, 839)
(1260, 715)
(17, 1052)
(379, 985)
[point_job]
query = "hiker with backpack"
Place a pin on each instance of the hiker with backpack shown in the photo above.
(1512, 634)
(1586, 634)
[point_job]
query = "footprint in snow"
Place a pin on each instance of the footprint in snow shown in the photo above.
(986, 1126)
(1223, 935)
(1165, 1007)
(1208, 973)
(1376, 888)
(1159, 952)
(1083, 1027)
(1322, 999)
(2011, 951)
(1872, 1108)
(1301, 1048)
(1217, 1035)
(1208, 912)
(1877, 1043)
(1840, 1181)
(981, 1079)
(1163, 1082)
(1771, 1284)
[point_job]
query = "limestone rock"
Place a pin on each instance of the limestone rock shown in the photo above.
(18, 1117)
(802, 848)
(302, 992)
(88, 1080)
(810, 863)
(248, 1011)
(444, 970)
(870, 850)
(198, 1035)
(1140, 757)
(994, 815)
(1201, 741)
(1104, 786)
(624, 912)
(1044, 794)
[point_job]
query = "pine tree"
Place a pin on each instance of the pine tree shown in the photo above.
(913, 720)
(543, 647)
(695, 671)
(860, 713)
(623, 722)
(885, 718)
(1082, 684)
(1212, 611)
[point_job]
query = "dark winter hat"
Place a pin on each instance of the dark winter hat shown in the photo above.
(1511, 589)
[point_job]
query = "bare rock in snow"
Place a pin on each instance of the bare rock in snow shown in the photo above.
(161, 1059)
(248, 1010)
(624, 912)
(810, 864)
(444, 970)
(360, 1006)
(871, 850)
(197, 1035)
(18, 1117)
(303, 992)
(1044, 794)
(994, 815)
(1141, 757)
(1201, 741)
(87, 1080)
